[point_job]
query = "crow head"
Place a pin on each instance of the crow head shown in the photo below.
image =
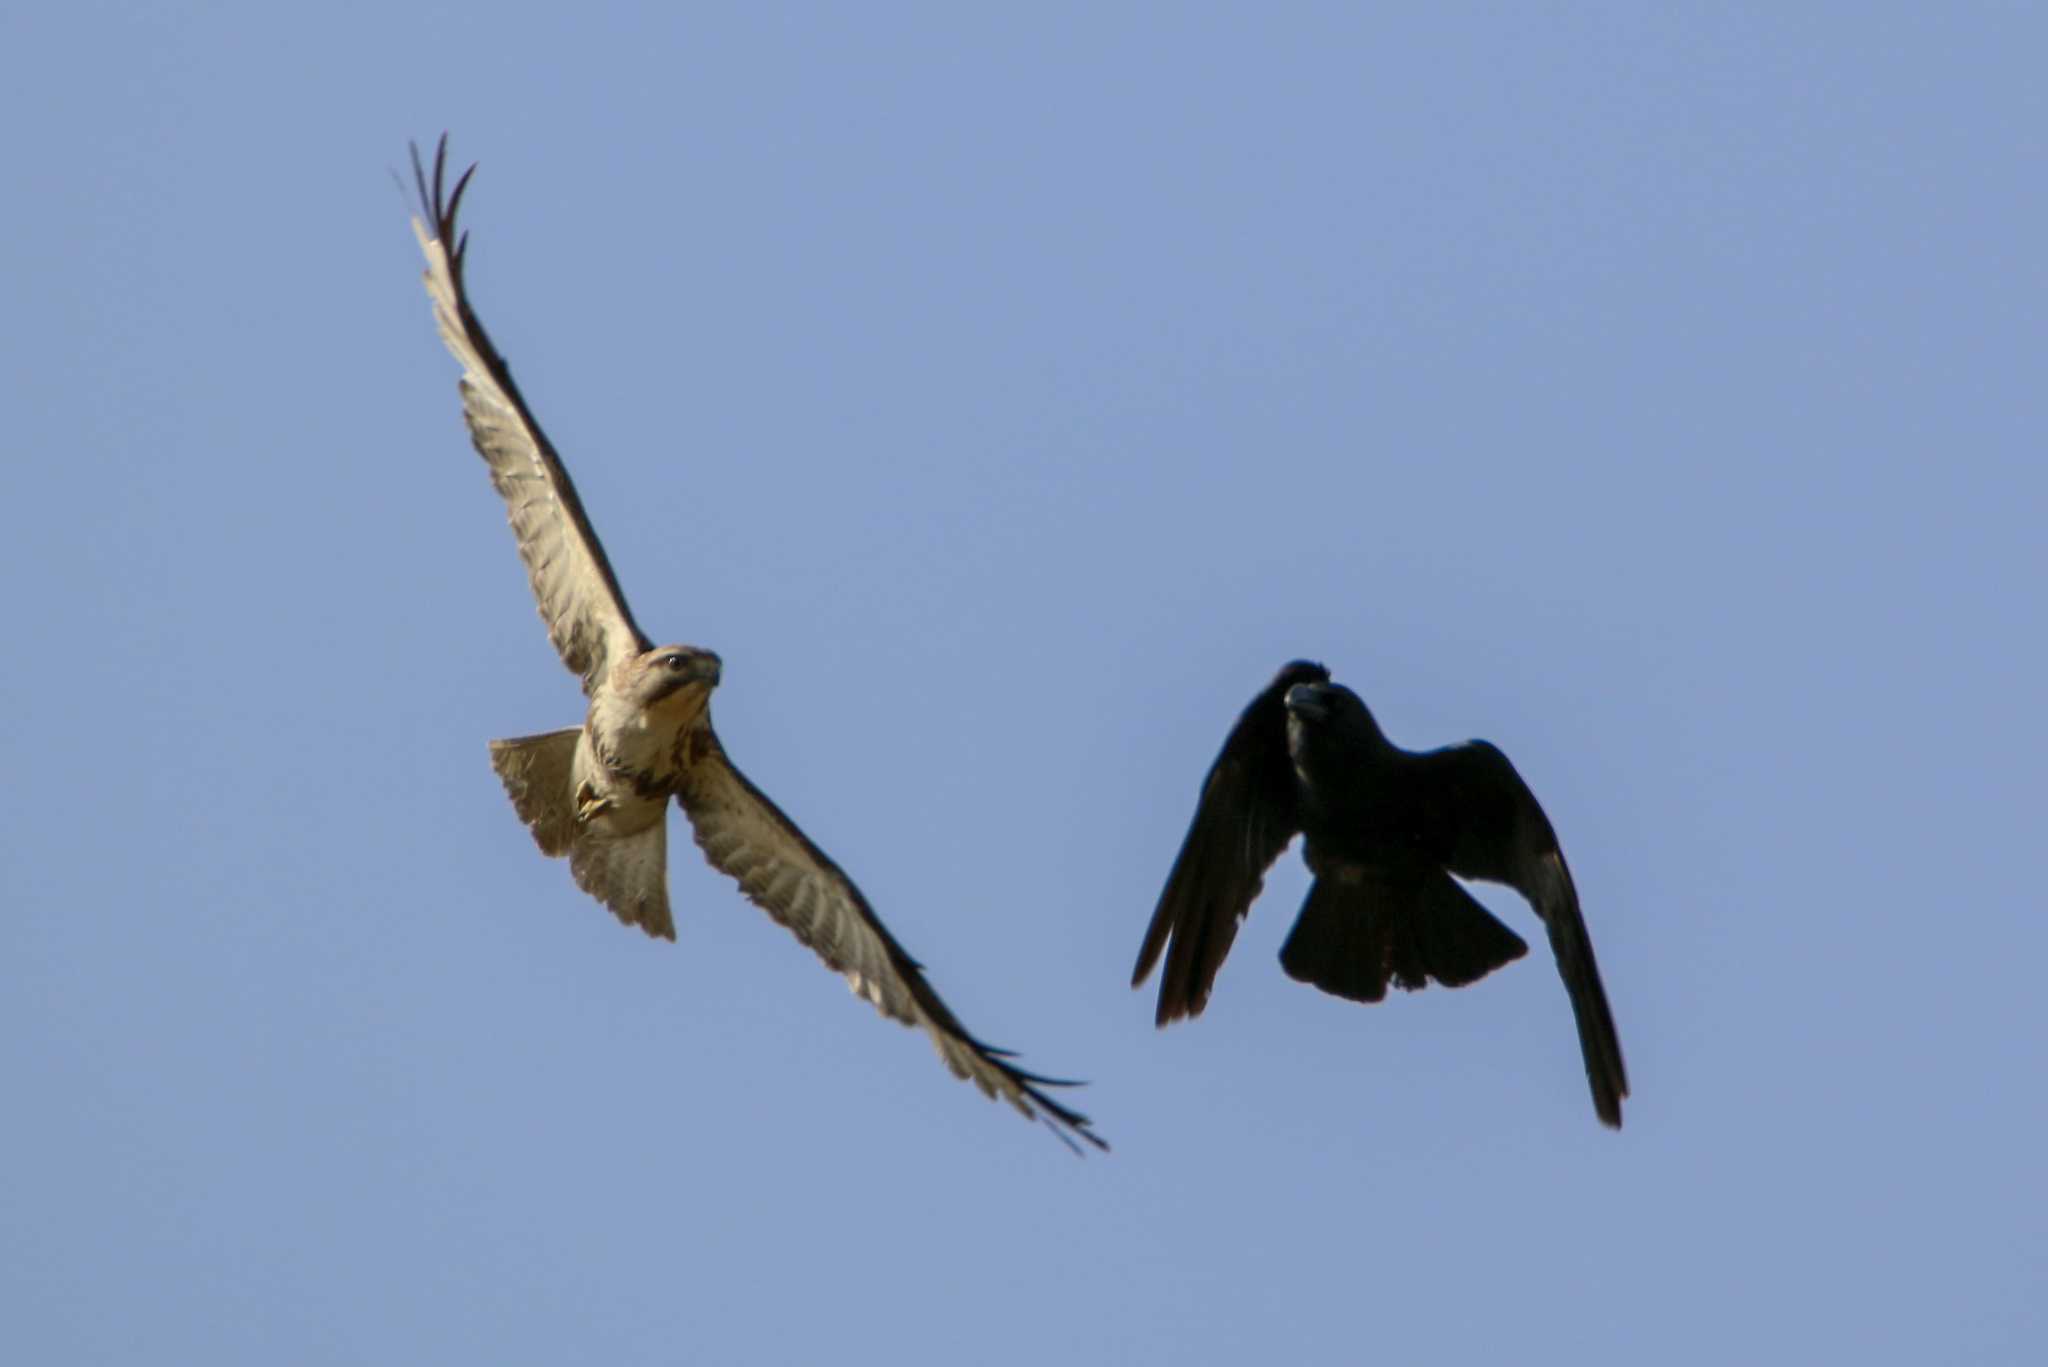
(1329, 719)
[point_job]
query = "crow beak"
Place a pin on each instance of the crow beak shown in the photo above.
(1308, 700)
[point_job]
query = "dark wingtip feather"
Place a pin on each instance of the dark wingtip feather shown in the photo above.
(455, 199)
(438, 205)
(1066, 1123)
(419, 179)
(1557, 900)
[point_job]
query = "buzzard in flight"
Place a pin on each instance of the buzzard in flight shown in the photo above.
(599, 793)
(1386, 829)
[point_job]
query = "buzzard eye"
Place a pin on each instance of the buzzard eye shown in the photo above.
(674, 662)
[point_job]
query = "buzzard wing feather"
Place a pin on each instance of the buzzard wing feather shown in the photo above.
(573, 583)
(746, 837)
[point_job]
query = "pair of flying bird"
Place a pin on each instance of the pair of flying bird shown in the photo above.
(1385, 829)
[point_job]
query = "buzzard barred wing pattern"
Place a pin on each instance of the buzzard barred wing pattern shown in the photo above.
(746, 837)
(573, 583)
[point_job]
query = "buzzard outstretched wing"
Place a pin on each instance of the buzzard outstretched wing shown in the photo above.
(573, 583)
(746, 837)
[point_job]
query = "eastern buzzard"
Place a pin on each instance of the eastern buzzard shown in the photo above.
(599, 793)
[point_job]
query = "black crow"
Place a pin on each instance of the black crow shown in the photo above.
(1386, 829)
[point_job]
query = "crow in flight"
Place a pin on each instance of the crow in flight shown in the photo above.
(1386, 829)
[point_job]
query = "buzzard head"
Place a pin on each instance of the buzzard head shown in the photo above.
(670, 677)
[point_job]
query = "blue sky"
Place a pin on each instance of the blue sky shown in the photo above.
(1656, 392)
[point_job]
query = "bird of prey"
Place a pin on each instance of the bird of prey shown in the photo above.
(599, 793)
(1385, 829)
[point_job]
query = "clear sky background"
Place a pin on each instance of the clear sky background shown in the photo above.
(1657, 391)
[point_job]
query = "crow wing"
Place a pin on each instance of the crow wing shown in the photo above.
(1247, 813)
(1482, 820)
(573, 583)
(747, 837)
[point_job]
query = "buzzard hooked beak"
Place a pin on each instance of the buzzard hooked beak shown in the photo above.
(673, 676)
(1309, 701)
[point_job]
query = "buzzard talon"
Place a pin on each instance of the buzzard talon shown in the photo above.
(648, 733)
(590, 805)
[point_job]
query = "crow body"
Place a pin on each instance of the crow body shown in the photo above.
(1388, 833)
